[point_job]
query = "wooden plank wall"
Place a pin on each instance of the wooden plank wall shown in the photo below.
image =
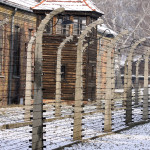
(50, 47)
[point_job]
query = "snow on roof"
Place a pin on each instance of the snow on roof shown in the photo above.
(21, 4)
(69, 5)
(103, 29)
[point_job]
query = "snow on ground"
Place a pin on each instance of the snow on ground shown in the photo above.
(58, 132)
(16, 114)
(15, 139)
(11, 115)
(137, 138)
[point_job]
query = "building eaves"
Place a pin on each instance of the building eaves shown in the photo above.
(69, 5)
(20, 4)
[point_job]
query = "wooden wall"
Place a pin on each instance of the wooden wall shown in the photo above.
(50, 47)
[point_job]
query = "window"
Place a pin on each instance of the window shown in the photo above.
(63, 72)
(62, 29)
(58, 26)
(49, 27)
(1, 48)
(79, 25)
(16, 54)
(30, 33)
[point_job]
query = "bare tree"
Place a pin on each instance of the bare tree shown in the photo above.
(127, 14)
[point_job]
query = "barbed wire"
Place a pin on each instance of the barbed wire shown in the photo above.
(58, 131)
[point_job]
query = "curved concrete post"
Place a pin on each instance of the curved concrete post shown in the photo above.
(125, 32)
(77, 130)
(129, 83)
(58, 77)
(137, 81)
(28, 88)
(99, 75)
(2, 23)
(125, 83)
(119, 84)
(146, 92)
(37, 128)
(109, 75)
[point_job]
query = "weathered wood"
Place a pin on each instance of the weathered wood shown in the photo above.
(71, 26)
(69, 52)
(54, 24)
(68, 58)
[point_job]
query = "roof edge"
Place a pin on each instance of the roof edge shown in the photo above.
(94, 10)
(17, 6)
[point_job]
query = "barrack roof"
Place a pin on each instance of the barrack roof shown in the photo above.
(21, 4)
(69, 5)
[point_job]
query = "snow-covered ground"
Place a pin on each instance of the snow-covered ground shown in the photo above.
(58, 132)
(137, 138)
(16, 114)
(11, 115)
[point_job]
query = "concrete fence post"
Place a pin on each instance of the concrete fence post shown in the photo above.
(37, 128)
(108, 96)
(129, 83)
(137, 82)
(146, 97)
(99, 75)
(58, 77)
(77, 130)
(28, 88)
(109, 75)
(125, 83)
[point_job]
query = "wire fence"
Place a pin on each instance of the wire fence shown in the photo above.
(60, 89)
